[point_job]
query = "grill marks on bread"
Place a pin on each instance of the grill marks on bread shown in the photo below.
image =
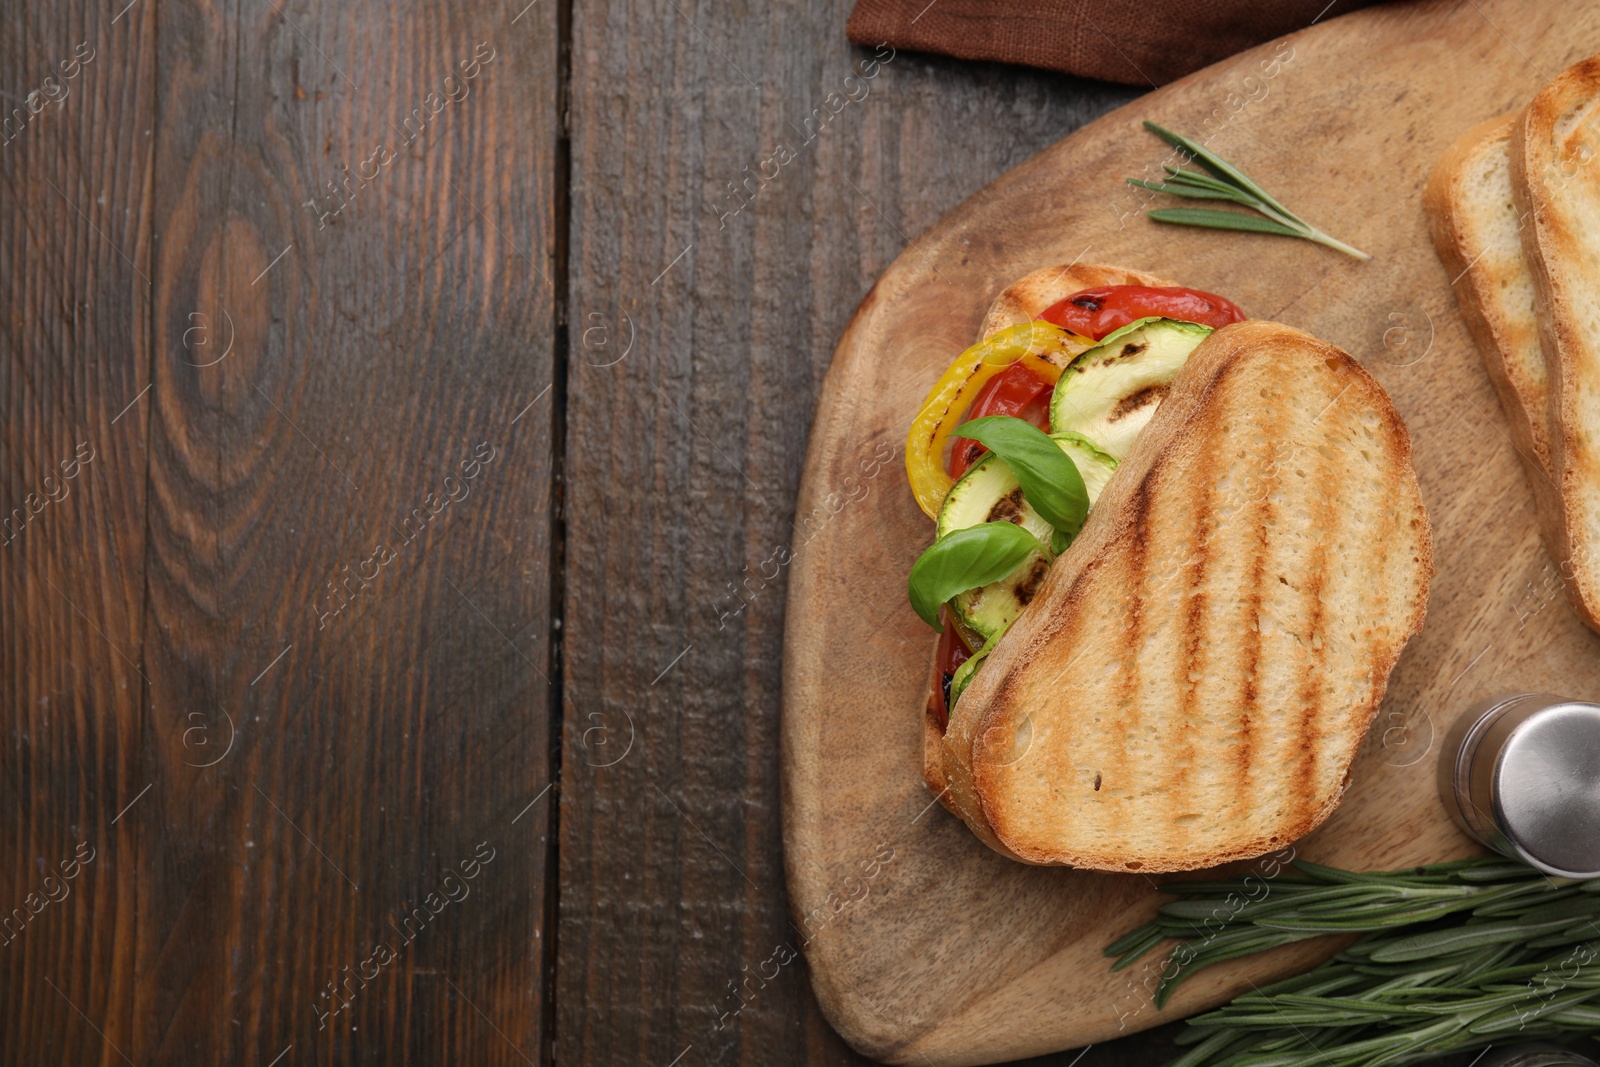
(1253, 516)
(1312, 688)
(1129, 675)
(1226, 592)
(1192, 659)
(1213, 646)
(1250, 650)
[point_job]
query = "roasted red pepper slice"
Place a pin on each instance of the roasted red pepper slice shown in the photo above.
(1097, 312)
(952, 653)
(1011, 392)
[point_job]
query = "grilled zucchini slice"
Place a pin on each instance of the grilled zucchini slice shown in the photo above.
(989, 492)
(1109, 392)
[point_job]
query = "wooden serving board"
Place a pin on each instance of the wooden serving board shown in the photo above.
(926, 947)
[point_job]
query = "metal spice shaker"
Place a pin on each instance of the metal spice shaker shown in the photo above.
(1521, 774)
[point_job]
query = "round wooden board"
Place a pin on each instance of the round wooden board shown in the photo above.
(925, 946)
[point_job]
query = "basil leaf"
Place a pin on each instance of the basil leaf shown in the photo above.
(1060, 541)
(1050, 480)
(966, 559)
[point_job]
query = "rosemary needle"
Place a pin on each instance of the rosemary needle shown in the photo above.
(1228, 183)
(1450, 957)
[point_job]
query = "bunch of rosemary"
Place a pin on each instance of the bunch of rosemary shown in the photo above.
(1450, 957)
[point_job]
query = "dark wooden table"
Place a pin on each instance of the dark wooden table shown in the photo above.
(404, 403)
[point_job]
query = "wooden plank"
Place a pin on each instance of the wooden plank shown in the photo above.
(74, 362)
(684, 455)
(1011, 961)
(349, 633)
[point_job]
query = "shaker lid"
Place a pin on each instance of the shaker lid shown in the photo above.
(1548, 795)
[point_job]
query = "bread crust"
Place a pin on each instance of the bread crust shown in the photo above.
(1446, 200)
(992, 716)
(1547, 151)
(1486, 278)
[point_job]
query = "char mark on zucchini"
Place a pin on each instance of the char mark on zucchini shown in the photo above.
(1008, 508)
(1030, 583)
(1150, 395)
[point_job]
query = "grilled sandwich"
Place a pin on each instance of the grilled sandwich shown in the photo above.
(1190, 680)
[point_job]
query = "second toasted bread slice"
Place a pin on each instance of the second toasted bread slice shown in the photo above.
(1191, 683)
(1555, 169)
(1477, 230)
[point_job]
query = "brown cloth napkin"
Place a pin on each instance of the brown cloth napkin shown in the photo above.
(1136, 42)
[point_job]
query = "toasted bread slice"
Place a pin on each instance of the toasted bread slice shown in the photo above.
(1192, 681)
(1556, 177)
(1021, 301)
(1477, 229)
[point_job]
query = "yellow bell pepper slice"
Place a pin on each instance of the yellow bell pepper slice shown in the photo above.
(1046, 349)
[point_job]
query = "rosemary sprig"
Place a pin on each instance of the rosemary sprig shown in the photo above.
(1451, 957)
(1227, 182)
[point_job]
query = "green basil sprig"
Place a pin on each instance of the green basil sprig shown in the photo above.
(966, 559)
(1050, 480)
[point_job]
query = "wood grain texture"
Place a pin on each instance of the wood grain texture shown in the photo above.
(320, 544)
(74, 354)
(1009, 961)
(387, 339)
(684, 458)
